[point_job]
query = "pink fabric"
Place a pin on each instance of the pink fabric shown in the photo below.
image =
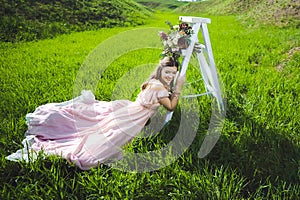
(88, 132)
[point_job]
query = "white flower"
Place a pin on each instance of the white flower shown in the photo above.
(176, 27)
(170, 43)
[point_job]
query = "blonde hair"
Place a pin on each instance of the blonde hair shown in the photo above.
(156, 74)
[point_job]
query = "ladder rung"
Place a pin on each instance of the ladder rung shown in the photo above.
(191, 19)
(196, 95)
(195, 81)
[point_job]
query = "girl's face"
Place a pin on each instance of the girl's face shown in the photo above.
(168, 74)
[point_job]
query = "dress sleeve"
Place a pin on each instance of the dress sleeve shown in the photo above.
(151, 95)
(162, 93)
(158, 90)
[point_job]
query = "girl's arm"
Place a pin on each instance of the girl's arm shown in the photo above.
(171, 103)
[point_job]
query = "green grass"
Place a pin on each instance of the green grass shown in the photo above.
(32, 20)
(256, 157)
(165, 5)
(284, 13)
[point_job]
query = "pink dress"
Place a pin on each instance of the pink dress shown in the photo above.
(88, 132)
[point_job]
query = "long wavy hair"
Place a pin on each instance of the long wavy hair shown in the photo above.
(156, 74)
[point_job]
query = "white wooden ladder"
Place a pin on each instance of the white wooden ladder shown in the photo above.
(207, 64)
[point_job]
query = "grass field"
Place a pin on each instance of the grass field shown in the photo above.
(166, 5)
(256, 157)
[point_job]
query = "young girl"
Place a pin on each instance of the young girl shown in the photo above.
(88, 132)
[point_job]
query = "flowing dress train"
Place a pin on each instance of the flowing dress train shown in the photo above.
(86, 131)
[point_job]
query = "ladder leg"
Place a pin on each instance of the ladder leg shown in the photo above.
(212, 66)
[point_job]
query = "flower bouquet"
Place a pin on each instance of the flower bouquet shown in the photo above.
(176, 39)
